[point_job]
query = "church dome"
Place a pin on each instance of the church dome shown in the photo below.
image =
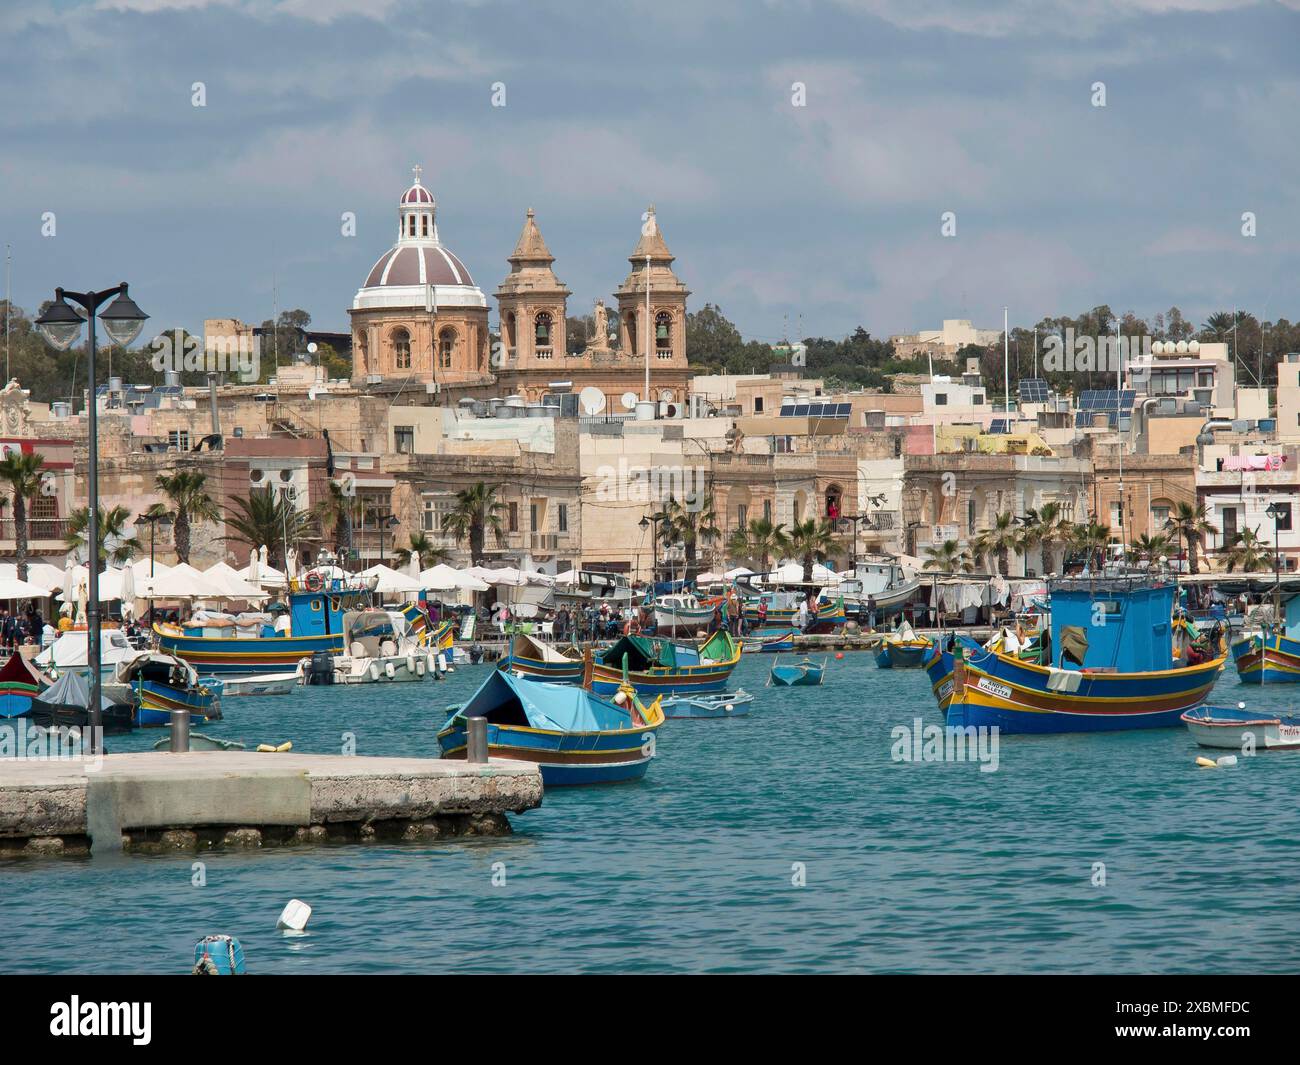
(419, 271)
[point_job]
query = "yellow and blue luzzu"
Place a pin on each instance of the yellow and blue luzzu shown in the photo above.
(663, 667)
(573, 736)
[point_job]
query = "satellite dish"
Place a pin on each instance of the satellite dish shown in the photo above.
(629, 400)
(592, 400)
(312, 347)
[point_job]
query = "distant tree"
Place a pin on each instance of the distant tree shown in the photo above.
(114, 546)
(22, 474)
(188, 493)
(759, 541)
(424, 549)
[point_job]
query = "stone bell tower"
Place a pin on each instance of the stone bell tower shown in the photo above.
(663, 326)
(532, 303)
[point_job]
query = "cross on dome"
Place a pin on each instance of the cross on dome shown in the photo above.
(417, 170)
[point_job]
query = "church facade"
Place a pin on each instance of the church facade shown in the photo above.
(420, 318)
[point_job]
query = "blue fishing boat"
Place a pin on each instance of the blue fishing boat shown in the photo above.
(161, 683)
(902, 649)
(316, 609)
(573, 736)
(656, 666)
(704, 707)
(773, 642)
(1113, 667)
(1271, 656)
(18, 687)
(531, 658)
(802, 674)
(938, 660)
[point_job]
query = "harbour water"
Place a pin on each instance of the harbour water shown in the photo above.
(786, 840)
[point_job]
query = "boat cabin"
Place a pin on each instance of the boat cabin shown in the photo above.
(1117, 625)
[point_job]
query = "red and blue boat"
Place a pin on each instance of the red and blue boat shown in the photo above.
(316, 609)
(655, 666)
(161, 683)
(1113, 667)
(572, 735)
(18, 687)
(1267, 658)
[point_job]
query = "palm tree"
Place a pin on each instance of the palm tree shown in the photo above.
(1190, 524)
(23, 474)
(947, 557)
(690, 524)
(999, 540)
(811, 540)
(758, 542)
(1048, 528)
(1149, 547)
(477, 511)
(111, 530)
(267, 518)
(336, 512)
(1248, 552)
(422, 548)
(187, 491)
(1091, 538)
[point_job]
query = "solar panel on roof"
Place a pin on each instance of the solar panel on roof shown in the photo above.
(1033, 390)
(801, 410)
(999, 425)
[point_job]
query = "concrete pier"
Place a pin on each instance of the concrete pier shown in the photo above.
(157, 801)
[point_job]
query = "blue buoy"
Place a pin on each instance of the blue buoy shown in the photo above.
(218, 956)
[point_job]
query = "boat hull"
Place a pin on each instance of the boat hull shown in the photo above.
(564, 758)
(997, 691)
(1269, 658)
(797, 674)
(707, 707)
(909, 655)
(683, 619)
(549, 672)
(938, 667)
(278, 654)
(157, 701)
(267, 684)
(1229, 728)
(773, 642)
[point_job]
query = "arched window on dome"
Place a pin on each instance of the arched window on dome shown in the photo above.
(664, 335)
(402, 348)
(542, 335)
(446, 346)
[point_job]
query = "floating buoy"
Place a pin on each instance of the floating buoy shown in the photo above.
(267, 748)
(294, 917)
(218, 956)
(1207, 763)
(389, 671)
(729, 707)
(839, 655)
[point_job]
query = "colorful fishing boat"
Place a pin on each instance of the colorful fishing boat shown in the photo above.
(161, 683)
(827, 616)
(656, 666)
(536, 660)
(1111, 671)
(802, 674)
(18, 687)
(771, 610)
(902, 649)
(316, 609)
(701, 707)
(1271, 655)
(775, 642)
(574, 736)
(938, 660)
(1239, 729)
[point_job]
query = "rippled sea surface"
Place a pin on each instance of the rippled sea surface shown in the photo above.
(905, 867)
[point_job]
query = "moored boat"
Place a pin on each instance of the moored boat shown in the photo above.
(656, 666)
(161, 683)
(902, 649)
(574, 736)
(1267, 658)
(66, 704)
(681, 612)
(18, 687)
(772, 642)
(265, 684)
(1112, 670)
(537, 660)
(801, 674)
(1239, 729)
(701, 707)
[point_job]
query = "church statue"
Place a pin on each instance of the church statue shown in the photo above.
(600, 340)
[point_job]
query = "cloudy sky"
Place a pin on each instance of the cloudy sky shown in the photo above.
(828, 213)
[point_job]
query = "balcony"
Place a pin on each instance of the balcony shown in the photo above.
(882, 521)
(39, 530)
(543, 354)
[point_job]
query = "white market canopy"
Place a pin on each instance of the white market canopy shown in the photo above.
(228, 579)
(183, 582)
(13, 588)
(41, 574)
(443, 578)
(792, 573)
(393, 582)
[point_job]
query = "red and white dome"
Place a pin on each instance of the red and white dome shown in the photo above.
(418, 272)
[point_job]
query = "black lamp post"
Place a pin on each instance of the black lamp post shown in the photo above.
(1277, 511)
(645, 523)
(154, 518)
(855, 518)
(61, 325)
(385, 523)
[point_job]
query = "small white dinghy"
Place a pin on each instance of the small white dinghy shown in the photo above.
(1236, 728)
(265, 684)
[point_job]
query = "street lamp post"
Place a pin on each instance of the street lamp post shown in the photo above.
(385, 523)
(646, 522)
(61, 325)
(1277, 511)
(855, 518)
(154, 518)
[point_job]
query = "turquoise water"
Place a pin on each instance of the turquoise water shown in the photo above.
(909, 867)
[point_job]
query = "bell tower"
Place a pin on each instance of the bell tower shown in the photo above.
(532, 302)
(661, 326)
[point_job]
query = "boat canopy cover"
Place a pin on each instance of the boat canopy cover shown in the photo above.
(72, 690)
(507, 700)
(642, 654)
(719, 647)
(524, 646)
(16, 671)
